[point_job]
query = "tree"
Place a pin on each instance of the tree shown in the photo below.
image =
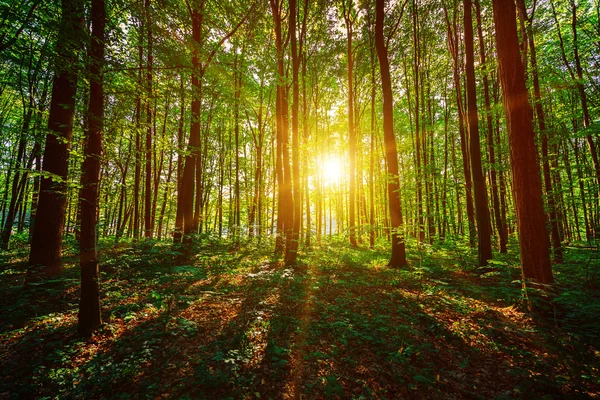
(285, 204)
(527, 186)
(148, 224)
(291, 249)
(482, 212)
(89, 305)
(349, 18)
(398, 257)
(46, 241)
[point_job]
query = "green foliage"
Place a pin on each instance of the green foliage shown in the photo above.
(230, 323)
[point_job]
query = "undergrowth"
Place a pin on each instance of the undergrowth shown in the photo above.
(226, 319)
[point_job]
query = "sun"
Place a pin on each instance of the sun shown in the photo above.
(331, 168)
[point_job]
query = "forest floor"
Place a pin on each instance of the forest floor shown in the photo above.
(230, 322)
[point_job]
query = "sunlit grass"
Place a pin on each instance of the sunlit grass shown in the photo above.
(232, 322)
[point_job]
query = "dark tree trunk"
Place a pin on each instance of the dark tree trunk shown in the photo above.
(398, 257)
(295, 206)
(185, 199)
(541, 119)
(418, 140)
(46, 242)
(148, 180)
(89, 305)
(351, 131)
(500, 225)
(482, 212)
(527, 185)
(178, 232)
(285, 201)
(138, 145)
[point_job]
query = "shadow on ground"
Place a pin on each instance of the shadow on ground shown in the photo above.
(231, 322)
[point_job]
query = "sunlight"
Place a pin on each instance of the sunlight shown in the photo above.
(331, 169)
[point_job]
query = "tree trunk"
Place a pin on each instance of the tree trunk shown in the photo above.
(453, 45)
(500, 225)
(291, 250)
(148, 180)
(527, 186)
(372, 155)
(398, 257)
(351, 132)
(541, 119)
(185, 198)
(482, 212)
(89, 317)
(285, 205)
(178, 232)
(46, 242)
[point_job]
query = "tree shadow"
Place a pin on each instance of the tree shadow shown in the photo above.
(237, 324)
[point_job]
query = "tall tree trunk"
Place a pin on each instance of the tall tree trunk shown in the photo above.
(89, 317)
(482, 212)
(185, 198)
(527, 186)
(236, 112)
(46, 242)
(148, 180)
(398, 257)
(372, 153)
(178, 232)
(418, 140)
(258, 137)
(500, 226)
(138, 145)
(348, 20)
(291, 250)
(541, 119)
(306, 138)
(285, 205)
(453, 45)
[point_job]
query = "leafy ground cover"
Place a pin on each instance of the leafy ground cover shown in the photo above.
(232, 322)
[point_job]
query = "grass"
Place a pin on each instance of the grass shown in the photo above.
(232, 322)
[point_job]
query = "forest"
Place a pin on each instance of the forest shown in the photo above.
(248, 199)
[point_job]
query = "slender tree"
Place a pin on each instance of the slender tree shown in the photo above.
(398, 257)
(482, 212)
(89, 305)
(148, 174)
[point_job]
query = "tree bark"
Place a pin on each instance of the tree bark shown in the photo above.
(500, 225)
(541, 119)
(89, 317)
(347, 11)
(148, 180)
(398, 257)
(527, 186)
(482, 212)
(46, 242)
